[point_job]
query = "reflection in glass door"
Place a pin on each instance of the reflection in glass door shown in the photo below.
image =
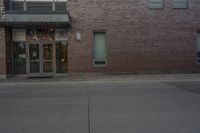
(47, 57)
(34, 58)
(61, 57)
(20, 57)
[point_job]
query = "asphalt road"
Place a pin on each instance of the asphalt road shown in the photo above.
(100, 107)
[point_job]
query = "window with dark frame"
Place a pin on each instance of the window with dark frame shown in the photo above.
(99, 46)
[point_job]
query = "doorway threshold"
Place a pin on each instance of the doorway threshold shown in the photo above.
(39, 76)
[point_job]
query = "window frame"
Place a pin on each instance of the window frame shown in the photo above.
(179, 7)
(156, 8)
(26, 2)
(14, 62)
(197, 41)
(67, 64)
(93, 49)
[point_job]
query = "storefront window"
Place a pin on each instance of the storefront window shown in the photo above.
(48, 66)
(61, 35)
(47, 58)
(35, 49)
(61, 57)
(34, 58)
(40, 34)
(19, 35)
(20, 57)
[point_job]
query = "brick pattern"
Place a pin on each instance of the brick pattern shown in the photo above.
(138, 39)
(1, 2)
(2, 53)
(8, 41)
(5, 50)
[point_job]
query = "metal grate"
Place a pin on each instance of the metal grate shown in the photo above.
(7, 4)
(17, 6)
(99, 62)
(60, 6)
(39, 6)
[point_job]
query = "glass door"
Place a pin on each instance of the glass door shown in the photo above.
(34, 58)
(40, 59)
(47, 60)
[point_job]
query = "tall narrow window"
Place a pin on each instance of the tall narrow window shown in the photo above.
(156, 4)
(18, 38)
(61, 57)
(99, 45)
(180, 3)
(198, 47)
(20, 57)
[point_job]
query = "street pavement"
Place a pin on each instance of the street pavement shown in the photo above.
(146, 106)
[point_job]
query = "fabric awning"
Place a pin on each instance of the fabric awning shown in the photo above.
(34, 19)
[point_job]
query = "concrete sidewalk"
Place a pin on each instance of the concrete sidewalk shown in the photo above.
(100, 106)
(106, 77)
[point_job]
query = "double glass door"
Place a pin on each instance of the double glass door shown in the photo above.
(41, 59)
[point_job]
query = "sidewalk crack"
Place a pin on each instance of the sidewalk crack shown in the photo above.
(88, 106)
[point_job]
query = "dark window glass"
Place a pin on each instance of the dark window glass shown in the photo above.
(198, 47)
(34, 52)
(34, 58)
(48, 66)
(34, 67)
(61, 57)
(20, 57)
(47, 52)
(47, 57)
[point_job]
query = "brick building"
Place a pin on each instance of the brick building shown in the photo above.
(52, 37)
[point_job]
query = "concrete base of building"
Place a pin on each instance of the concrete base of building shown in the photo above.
(2, 76)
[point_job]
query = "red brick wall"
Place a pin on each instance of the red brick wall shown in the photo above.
(138, 39)
(2, 54)
(8, 41)
(2, 51)
(1, 2)
(5, 50)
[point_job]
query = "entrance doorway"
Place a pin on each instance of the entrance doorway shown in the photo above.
(41, 59)
(40, 52)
